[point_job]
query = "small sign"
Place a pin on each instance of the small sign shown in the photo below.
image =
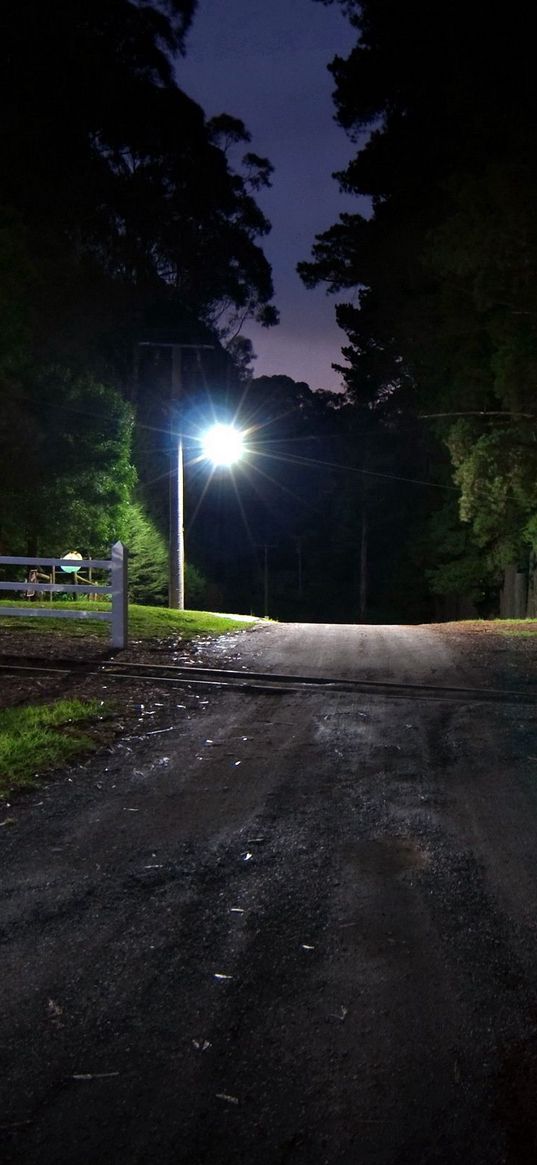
(71, 569)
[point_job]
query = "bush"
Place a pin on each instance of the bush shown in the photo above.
(148, 558)
(148, 564)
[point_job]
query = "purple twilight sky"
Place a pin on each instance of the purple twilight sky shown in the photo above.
(266, 63)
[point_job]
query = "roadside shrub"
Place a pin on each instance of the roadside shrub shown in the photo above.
(148, 564)
(148, 558)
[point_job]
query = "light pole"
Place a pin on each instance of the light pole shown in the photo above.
(176, 584)
(222, 445)
(176, 552)
(265, 588)
(265, 547)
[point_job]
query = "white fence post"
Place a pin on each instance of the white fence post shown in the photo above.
(117, 590)
(120, 598)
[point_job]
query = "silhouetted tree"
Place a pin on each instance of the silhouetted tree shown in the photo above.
(443, 271)
(123, 213)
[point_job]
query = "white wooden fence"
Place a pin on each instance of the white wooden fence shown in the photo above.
(118, 590)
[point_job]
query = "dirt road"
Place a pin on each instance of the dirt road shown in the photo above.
(283, 927)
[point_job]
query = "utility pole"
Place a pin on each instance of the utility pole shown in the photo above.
(363, 565)
(364, 532)
(299, 557)
(265, 547)
(176, 551)
(265, 581)
(176, 582)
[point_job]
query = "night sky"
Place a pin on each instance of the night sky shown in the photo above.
(266, 64)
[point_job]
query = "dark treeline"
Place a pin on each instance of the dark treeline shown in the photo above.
(439, 282)
(313, 522)
(129, 219)
(125, 215)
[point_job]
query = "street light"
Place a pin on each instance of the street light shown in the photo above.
(222, 444)
(176, 553)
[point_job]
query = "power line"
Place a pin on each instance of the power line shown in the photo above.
(478, 413)
(355, 469)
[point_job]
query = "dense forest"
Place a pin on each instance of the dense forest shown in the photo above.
(440, 280)
(129, 222)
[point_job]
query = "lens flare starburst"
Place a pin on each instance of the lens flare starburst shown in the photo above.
(223, 444)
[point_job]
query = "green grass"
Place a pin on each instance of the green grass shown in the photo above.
(521, 628)
(144, 622)
(36, 739)
(510, 628)
(151, 622)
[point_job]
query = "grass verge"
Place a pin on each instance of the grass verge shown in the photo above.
(520, 628)
(510, 628)
(36, 739)
(144, 622)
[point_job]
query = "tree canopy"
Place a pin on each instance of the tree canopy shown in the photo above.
(124, 214)
(126, 195)
(65, 450)
(442, 272)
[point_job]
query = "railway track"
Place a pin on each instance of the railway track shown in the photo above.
(267, 682)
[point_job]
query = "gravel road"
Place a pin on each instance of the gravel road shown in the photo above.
(282, 928)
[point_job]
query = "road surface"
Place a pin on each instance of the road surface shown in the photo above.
(280, 928)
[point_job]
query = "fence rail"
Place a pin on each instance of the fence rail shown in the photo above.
(118, 590)
(54, 588)
(98, 563)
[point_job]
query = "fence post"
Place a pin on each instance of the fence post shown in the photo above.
(120, 597)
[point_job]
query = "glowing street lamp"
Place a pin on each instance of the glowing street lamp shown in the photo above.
(223, 444)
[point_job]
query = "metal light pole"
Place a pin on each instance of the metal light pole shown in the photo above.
(265, 547)
(176, 561)
(176, 582)
(299, 557)
(265, 581)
